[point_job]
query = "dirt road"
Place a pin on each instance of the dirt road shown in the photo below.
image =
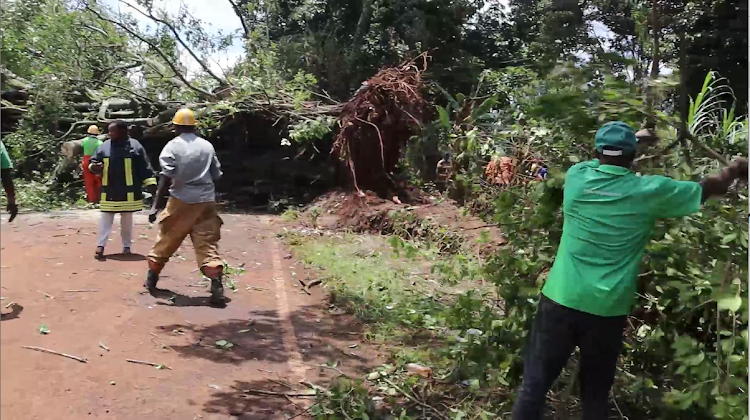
(279, 335)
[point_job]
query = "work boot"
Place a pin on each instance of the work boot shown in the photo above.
(217, 291)
(151, 279)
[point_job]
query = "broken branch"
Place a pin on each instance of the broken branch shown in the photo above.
(141, 362)
(43, 350)
(276, 394)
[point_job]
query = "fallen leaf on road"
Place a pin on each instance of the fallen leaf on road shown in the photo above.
(224, 344)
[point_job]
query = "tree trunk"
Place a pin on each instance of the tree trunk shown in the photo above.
(363, 25)
(72, 149)
(651, 91)
(683, 101)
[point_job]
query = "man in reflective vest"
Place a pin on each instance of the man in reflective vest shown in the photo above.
(92, 182)
(125, 170)
(189, 168)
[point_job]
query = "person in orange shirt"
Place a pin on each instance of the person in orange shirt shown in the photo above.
(92, 182)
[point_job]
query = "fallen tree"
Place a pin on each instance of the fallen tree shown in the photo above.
(377, 123)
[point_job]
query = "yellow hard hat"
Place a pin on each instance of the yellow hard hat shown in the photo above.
(184, 117)
(93, 130)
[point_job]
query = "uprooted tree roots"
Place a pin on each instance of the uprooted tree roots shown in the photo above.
(376, 125)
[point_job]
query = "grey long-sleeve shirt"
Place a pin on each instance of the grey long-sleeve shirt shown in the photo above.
(191, 163)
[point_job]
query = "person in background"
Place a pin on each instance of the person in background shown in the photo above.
(125, 169)
(507, 170)
(542, 174)
(189, 168)
(443, 171)
(92, 182)
(609, 214)
(6, 177)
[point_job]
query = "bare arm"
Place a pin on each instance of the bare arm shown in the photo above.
(160, 201)
(10, 190)
(718, 184)
(215, 168)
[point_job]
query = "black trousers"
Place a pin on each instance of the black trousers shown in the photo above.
(556, 332)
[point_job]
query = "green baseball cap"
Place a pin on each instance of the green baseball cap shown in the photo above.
(615, 139)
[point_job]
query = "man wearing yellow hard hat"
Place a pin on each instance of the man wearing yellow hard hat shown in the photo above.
(92, 182)
(189, 168)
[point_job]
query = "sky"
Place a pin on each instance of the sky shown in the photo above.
(219, 15)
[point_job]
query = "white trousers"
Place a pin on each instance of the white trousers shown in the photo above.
(105, 228)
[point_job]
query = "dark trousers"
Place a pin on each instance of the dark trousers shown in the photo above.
(556, 332)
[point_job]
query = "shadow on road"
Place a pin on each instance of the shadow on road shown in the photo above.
(256, 338)
(321, 339)
(180, 300)
(237, 403)
(125, 257)
(14, 313)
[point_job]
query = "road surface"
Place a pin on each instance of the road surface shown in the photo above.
(279, 335)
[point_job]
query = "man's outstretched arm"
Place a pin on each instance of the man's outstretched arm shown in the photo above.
(718, 184)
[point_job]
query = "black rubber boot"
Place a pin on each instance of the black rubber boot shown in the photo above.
(151, 279)
(217, 291)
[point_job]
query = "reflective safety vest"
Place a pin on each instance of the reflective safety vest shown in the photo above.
(127, 170)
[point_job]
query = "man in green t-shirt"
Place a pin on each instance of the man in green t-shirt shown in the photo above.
(609, 214)
(6, 177)
(92, 181)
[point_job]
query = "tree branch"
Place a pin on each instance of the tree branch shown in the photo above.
(180, 40)
(178, 74)
(114, 86)
(238, 12)
(113, 70)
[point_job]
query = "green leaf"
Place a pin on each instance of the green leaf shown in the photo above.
(445, 120)
(696, 360)
(730, 303)
(728, 238)
(484, 107)
(224, 344)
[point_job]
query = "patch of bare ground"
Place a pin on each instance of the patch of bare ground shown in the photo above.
(339, 210)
